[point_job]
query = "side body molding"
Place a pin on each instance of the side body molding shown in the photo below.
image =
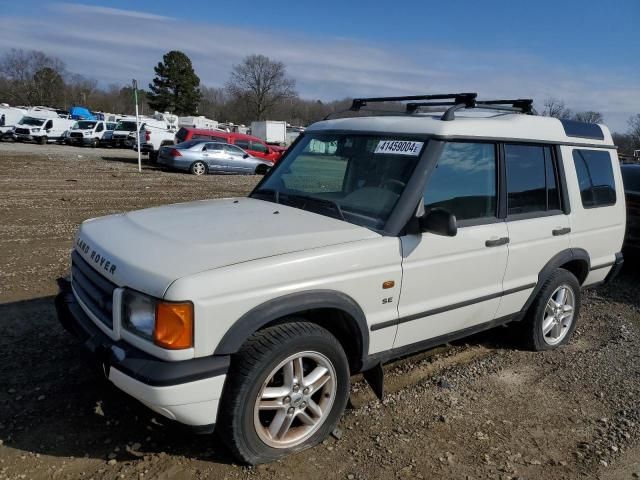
(292, 304)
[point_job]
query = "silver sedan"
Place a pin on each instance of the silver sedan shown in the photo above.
(200, 157)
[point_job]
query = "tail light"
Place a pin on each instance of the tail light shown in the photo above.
(175, 152)
(147, 135)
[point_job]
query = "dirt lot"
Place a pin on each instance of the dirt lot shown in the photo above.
(477, 409)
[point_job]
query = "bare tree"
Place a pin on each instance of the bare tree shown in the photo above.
(260, 83)
(634, 129)
(555, 108)
(20, 67)
(589, 117)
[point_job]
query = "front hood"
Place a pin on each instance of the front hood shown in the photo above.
(148, 249)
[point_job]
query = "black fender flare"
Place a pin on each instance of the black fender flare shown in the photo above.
(291, 304)
(559, 259)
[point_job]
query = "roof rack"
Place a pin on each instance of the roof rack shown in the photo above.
(456, 98)
(455, 102)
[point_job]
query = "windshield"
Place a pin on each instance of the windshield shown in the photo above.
(36, 122)
(353, 177)
(127, 126)
(84, 125)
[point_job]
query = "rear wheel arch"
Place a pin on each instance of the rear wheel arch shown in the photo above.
(574, 260)
(335, 311)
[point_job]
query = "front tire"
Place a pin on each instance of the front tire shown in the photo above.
(286, 390)
(552, 317)
(43, 140)
(198, 168)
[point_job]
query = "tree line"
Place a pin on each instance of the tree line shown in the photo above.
(258, 88)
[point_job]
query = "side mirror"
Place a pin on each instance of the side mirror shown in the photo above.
(246, 155)
(262, 169)
(440, 222)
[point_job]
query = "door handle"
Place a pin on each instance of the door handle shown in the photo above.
(561, 231)
(497, 242)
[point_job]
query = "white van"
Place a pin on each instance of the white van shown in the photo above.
(42, 129)
(124, 133)
(89, 132)
(9, 118)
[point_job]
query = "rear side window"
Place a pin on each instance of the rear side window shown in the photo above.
(242, 143)
(595, 177)
(258, 147)
(532, 181)
(464, 181)
(631, 178)
(181, 136)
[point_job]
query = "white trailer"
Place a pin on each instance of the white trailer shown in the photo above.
(198, 122)
(270, 131)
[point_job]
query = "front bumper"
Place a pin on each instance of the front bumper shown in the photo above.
(79, 140)
(187, 391)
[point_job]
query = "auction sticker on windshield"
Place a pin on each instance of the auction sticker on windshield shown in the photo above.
(399, 147)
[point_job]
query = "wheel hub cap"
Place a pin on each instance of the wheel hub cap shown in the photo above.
(295, 400)
(558, 315)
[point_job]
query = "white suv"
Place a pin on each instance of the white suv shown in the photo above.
(374, 237)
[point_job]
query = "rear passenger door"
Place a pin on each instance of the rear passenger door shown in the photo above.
(215, 157)
(536, 220)
(453, 283)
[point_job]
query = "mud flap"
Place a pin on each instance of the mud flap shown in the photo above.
(375, 378)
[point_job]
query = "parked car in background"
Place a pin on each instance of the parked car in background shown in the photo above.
(197, 122)
(42, 129)
(253, 145)
(631, 180)
(124, 133)
(200, 157)
(88, 132)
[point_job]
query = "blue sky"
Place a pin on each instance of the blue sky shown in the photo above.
(584, 52)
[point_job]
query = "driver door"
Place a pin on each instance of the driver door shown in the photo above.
(454, 283)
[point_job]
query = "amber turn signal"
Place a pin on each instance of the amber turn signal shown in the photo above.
(174, 325)
(388, 284)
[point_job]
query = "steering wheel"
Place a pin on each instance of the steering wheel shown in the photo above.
(396, 186)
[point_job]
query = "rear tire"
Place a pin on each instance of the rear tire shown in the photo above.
(552, 318)
(291, 379)
(153, 157)
(198, 168)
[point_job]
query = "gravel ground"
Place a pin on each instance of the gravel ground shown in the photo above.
(480, 408)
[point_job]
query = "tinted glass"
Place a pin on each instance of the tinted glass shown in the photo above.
(464, 181)
(100, 128)
(212, 147)
(631, 178)
(242, 143)
(553, 192)
(258, 147)
(181, 135)
(49, 124)
(526, 184)
(595, 177)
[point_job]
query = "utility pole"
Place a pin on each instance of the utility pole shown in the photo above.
(135, 96)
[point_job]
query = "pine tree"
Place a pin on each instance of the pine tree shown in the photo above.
(175, 87)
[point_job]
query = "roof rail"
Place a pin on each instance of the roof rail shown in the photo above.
(455, 98)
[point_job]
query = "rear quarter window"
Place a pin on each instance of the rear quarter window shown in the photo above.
(595, 177)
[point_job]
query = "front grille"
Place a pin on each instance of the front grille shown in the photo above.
(75, 134)
(23, 131)
(95, 291)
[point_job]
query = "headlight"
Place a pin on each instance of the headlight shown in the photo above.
(35, 130)
(167, 324)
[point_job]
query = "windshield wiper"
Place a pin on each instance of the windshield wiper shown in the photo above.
(321, 201)
(275, 193)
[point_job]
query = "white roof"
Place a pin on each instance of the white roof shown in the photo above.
(484, 125)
